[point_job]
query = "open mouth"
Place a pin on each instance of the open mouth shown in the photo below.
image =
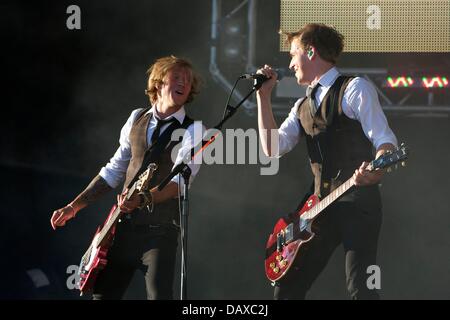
(179, 92)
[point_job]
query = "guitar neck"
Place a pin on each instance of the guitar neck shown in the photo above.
(386, 160)
(114, 217)
(325, 202)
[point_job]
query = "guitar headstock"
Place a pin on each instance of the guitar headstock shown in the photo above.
(144, 179)
(391, 158)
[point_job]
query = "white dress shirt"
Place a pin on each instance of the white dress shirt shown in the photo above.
(114, 171)
(360, 102)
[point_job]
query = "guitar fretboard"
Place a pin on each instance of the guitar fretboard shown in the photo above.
(339, 191)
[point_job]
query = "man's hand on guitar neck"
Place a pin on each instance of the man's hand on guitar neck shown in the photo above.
(364, 177)
(129, 205)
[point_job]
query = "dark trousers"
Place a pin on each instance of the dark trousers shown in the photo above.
(345, 223)
(149, 249)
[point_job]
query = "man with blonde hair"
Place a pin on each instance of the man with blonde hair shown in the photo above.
(145, 238)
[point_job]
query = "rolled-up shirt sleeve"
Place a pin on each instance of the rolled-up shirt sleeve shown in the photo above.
(114, 171)
(289, 132)
(361, 103)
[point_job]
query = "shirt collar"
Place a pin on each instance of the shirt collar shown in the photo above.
(328, 78)
(179, 115)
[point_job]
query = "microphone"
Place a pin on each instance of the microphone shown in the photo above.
(281, 73)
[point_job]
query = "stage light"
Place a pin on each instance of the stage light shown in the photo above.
(232, 40)
(435, 82)
(400, 82)
(233, 29)
(421, 82)
(232, 52)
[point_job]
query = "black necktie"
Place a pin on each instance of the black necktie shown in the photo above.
(310, 94)
(159, 124)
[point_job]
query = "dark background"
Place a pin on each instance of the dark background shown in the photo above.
(67, 95)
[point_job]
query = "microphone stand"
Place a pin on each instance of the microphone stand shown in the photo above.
(185, 171)
(186, 174)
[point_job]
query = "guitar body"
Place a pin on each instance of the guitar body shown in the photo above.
(95, 259)
(285, 242)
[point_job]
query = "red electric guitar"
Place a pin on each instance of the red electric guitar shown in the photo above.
(95, 258)
(291, 232)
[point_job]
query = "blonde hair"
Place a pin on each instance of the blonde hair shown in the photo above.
(158, 71)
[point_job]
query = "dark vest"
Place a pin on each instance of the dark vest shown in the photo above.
(165, 213)
(336, 146)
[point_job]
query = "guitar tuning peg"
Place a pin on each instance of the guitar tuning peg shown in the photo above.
(403, 163)
(396, 166)
(389, 170)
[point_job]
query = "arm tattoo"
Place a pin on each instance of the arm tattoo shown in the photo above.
(97, 188)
